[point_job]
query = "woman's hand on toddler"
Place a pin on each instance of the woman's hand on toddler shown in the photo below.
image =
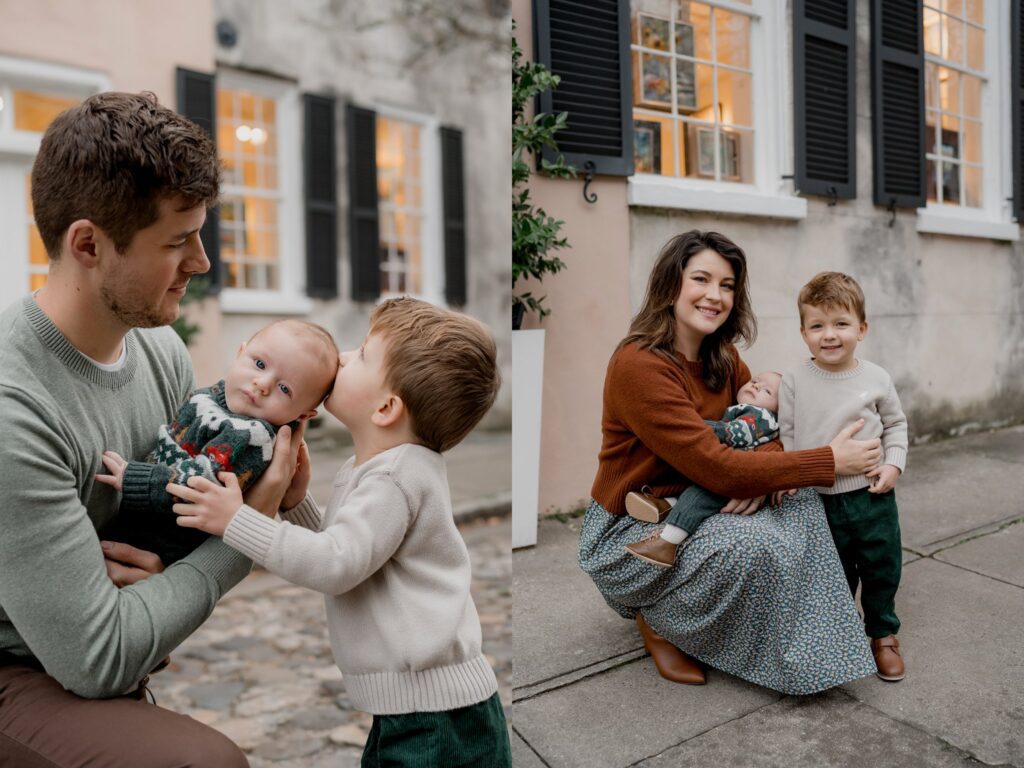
(115, 465)
(885, 477)
(210, 506)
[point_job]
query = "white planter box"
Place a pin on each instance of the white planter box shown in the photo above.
(527, 393)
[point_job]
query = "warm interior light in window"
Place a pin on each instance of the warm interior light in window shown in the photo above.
(258, 136)
(243, 132)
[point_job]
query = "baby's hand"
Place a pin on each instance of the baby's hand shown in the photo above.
(211, 506)
(778, 496)
(115, 465)
(885, 476)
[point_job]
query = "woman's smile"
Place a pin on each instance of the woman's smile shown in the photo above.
(705, 299)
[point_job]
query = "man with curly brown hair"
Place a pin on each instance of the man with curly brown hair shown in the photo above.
(120, 190)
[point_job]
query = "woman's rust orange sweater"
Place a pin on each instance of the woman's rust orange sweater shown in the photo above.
(653, 434)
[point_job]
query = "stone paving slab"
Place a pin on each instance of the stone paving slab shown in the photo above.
(561, 621)
(961, 637)
(957, 486)
(523, 756)
(828, 729)
(999, 554)
(619, 717)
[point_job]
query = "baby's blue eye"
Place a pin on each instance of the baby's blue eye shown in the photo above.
(284, 388)
(260, 364)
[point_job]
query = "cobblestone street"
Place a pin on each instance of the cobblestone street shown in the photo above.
(260, 669)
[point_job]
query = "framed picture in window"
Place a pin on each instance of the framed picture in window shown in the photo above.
(686, 71)
(654, 88)
(647, 146)
(684, 39)
(729, 153)
(652, 31)
(686, 85)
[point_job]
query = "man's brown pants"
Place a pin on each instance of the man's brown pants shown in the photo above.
(44, 726)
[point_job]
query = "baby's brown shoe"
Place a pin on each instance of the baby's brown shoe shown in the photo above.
(654, 550)
(644, 506)
(888, 658)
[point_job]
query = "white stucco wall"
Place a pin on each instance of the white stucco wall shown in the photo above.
(452, 64)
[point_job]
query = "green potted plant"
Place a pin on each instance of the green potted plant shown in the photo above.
(534, 234)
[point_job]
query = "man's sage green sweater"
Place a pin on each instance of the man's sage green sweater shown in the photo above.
(58, 413)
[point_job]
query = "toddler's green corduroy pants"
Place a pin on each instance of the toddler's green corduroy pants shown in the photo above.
(866, 529)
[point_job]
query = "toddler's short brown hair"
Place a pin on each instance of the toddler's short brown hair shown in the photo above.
(442, 364)
(830, 290)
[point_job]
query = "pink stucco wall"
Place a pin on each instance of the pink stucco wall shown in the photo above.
(137, 44)
(590, 313)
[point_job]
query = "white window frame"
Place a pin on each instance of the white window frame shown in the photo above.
(432, 231)
(769, 195)
(994, 220)
(290, 297)
(21, 147)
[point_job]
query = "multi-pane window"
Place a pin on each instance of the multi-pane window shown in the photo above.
(692, 90)
(35, 109)
(29, 110)
(954, 43)
(400, 195)
(247, 142)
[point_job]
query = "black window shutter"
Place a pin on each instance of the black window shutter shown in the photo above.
(320, 171)
(197, 100)
(363, 216)
(1017, 99)
(825, 97)
(452, 190)
(586, 43)
(897, 102)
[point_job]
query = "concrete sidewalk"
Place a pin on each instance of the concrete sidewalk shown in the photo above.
(585, 694)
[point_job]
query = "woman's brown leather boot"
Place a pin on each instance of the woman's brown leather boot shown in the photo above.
(671, 662)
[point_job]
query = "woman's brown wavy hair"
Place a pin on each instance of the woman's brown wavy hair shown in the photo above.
(654, 326)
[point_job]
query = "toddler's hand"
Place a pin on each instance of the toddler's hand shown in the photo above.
(115, 465)
(211, 506)
(885, 476)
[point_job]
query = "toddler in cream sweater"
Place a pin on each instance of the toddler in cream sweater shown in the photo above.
(387, 555)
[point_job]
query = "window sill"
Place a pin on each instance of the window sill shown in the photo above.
(946, 221)
(237, 300)
(659, 192)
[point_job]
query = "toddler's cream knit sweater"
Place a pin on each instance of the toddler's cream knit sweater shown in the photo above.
(395, 575)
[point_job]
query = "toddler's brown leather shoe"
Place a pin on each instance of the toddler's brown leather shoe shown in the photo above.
(654, 550)
(888, 658)
(644, 506)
